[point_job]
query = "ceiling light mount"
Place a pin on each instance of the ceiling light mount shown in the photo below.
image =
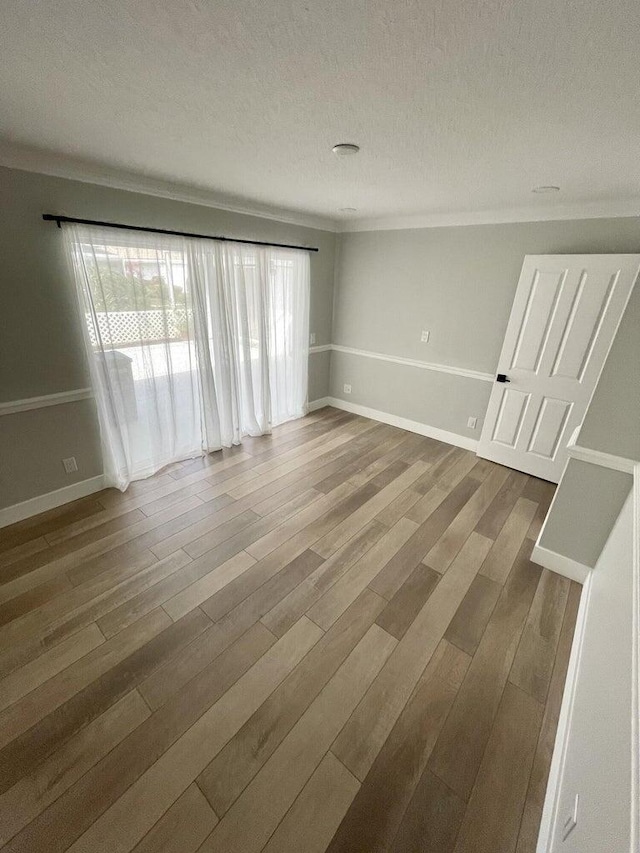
(546, 189)
(343, 149)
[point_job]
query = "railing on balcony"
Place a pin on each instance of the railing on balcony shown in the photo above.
(118, 328)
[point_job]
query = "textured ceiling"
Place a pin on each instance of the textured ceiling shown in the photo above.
(457, 106)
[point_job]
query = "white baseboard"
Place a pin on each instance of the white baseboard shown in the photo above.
(404, 423)
(560, 564)
(42, 503)
(320, 403)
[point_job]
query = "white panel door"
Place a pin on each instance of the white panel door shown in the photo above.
(564, 317)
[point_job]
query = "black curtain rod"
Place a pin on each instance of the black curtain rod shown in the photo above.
(52, 217)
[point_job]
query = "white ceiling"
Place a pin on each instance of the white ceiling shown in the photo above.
(460, 107)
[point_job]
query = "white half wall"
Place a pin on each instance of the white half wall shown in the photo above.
(596, 749)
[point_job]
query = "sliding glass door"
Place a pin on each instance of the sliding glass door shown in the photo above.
(191, 343)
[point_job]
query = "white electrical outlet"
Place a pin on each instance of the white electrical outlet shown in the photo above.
(424, 337)
(312, 338)
(70, 465)
(347, 389)
(472, 423)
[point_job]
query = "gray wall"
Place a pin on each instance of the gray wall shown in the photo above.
(319, 373)
(585, 507)
(40, 346)
(612, 423)
(457, 282)
(33, 444)
(429, 397)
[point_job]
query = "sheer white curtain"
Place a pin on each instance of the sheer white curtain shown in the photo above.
(191, 343)
(254, 305)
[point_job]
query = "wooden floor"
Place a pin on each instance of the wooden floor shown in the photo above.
(331, 638)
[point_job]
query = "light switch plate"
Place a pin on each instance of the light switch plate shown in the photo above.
(472, 423)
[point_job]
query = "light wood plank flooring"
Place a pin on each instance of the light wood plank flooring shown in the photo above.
(330, 638)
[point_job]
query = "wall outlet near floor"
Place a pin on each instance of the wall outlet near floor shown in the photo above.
(70, 465)
(424, 337)
(472, 423)
(346, 389)
(312, 338)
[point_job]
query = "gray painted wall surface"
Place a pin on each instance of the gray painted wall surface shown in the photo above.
(612, 423)
(40, 345)
(457, 282)
(585, 508)
(319, 372)
(34, 442)
(430, 397)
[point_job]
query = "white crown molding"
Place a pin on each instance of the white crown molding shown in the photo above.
(412, 362)
(51, 500)
(12, 407)
(549, 213)
(402, 423)
(29, 159)
(63, 166)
